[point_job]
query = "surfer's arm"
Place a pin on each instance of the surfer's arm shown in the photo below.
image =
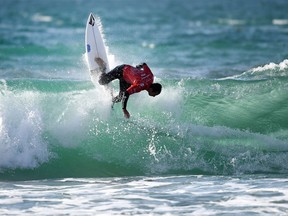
(124, 104)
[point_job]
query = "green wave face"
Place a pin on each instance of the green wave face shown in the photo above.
(52, 129)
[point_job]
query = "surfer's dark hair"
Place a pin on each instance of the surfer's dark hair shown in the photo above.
(156, 87)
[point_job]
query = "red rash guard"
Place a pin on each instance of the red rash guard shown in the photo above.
(139, 79)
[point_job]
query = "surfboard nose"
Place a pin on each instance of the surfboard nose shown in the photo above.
(91, 19)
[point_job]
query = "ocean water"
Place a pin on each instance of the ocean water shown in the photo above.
(214, 142)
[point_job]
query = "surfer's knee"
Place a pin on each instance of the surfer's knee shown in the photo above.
(103, 79)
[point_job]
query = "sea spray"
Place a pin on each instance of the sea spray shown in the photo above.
(21, 128)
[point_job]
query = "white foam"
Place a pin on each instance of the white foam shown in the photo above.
(70, 126)
(263, 72)
(272, 66)
(232, 22)
(280, 21)
(21, 127)
(41, 18)
(168, 101)
(148, 45)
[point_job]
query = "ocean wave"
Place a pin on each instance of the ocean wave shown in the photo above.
(268, 71)
(273, 69)
(52, 129)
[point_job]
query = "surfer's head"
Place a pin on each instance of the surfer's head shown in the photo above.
(154, 89)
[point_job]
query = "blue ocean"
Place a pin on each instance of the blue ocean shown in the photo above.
(214, 142)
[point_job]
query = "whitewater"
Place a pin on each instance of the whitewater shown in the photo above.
(214, 142)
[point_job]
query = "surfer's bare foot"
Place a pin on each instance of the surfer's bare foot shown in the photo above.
(99, 61)
(101, 64)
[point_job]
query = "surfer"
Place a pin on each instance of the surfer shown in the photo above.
(131, 80)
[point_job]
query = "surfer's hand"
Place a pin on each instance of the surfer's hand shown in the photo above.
(126, 113)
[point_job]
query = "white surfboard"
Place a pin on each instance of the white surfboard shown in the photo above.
(95, 47)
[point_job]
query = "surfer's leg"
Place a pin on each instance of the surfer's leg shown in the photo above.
(116, 73)
(123, 85)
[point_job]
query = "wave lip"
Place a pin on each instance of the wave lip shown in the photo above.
(271, 70)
